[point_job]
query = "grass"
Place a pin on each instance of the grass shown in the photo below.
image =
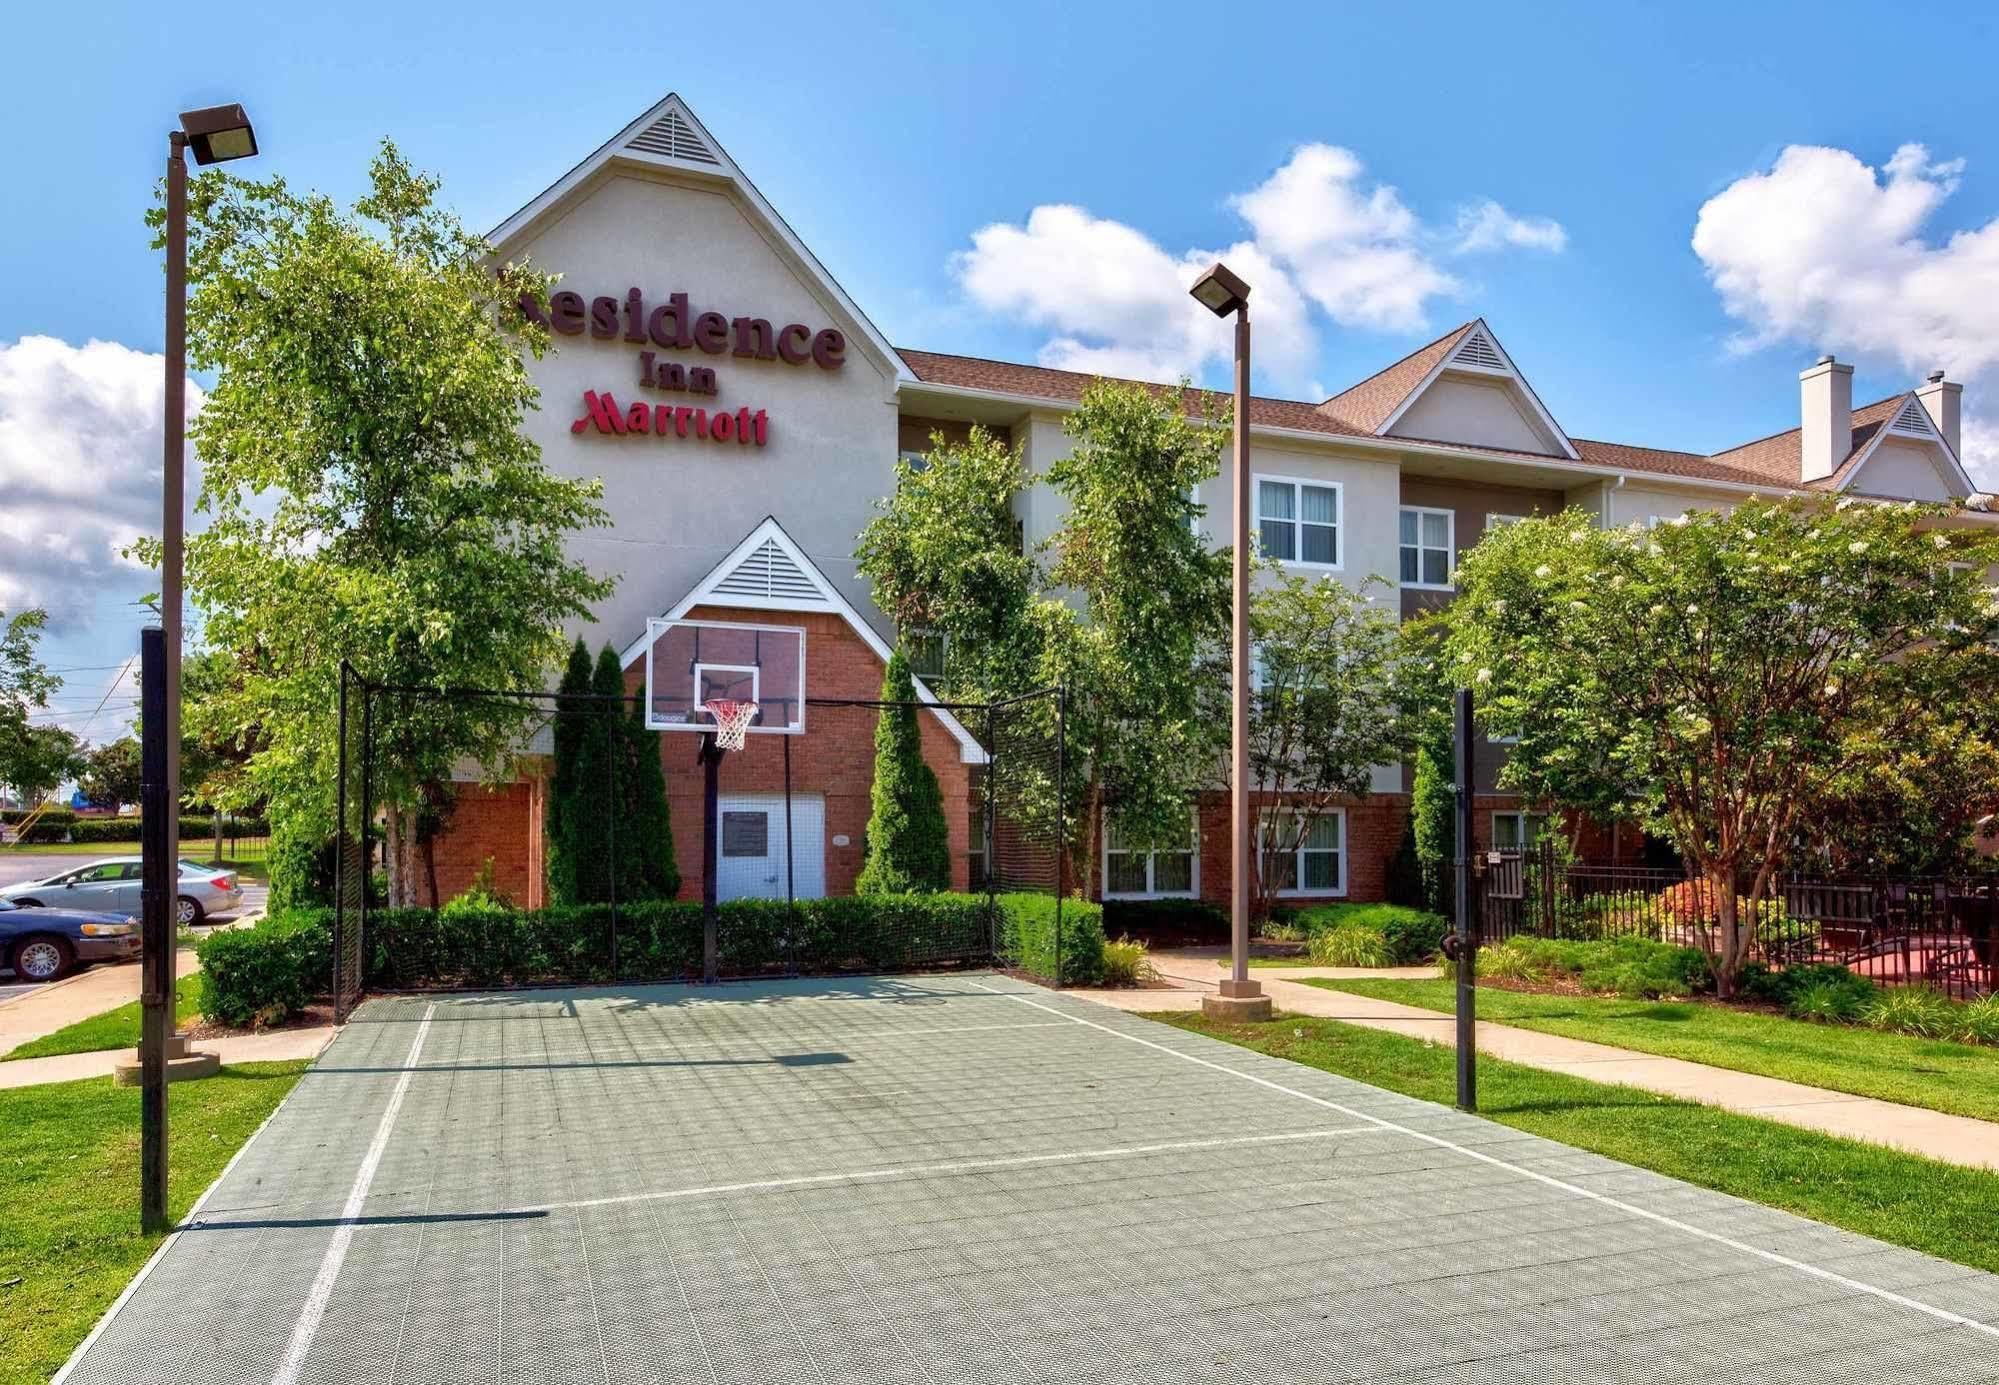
(1960, 1079)
(117, 1028)
(1939, 1209)
(69, 1196)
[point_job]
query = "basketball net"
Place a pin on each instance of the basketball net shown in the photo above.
(732, 721)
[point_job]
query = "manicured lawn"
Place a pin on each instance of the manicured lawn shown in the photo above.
(69, 1196)
(1962, 1079)
(117, 1028)
(1940, 1209)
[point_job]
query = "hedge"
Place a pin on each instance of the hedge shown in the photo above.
(267, 973)
(62, 825)
(1190, 918)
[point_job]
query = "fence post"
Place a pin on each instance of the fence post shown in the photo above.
(616, 805)
(340, 866)
(1061, 816)
(156, 965)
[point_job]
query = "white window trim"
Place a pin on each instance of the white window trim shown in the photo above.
(1298, 866)
(1450, 547)
(1193, 891)
(1523, 814)
(1495, 520)
(1298, 520)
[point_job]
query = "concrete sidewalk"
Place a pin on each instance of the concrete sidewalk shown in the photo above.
(276, 1046)
(1953, 1139)
(60, 1004)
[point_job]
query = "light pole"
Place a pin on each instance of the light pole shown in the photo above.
(1222, 293)
(215, 135)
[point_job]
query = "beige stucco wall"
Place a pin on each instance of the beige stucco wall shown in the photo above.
(1903, 470)
(677, 506)
(1471, 411)
(1630, 504)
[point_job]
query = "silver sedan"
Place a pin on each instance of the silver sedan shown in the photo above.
(112, 886)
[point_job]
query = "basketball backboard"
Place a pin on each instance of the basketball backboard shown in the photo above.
(690, 663)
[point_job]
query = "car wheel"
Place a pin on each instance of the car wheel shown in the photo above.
(187, 912)
(41, 958)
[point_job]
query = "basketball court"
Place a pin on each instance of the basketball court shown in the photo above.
(963, 1178)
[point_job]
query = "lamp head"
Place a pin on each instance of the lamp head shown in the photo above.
(1220, 291)
(218, 134)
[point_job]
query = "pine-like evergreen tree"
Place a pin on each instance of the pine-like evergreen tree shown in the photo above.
(908, 845)
(651, 822)
(611, 860)
(567, 818)
(1433, 814)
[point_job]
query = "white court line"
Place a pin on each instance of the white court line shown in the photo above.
(1830, 1276)
(321, 1295)
(921, 1170)
(748, 1040)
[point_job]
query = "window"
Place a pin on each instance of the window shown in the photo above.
(925, 650)
(1493, 521)
(1426, 547)
(918, 460)
(1517, 831)
(1298, 521)
(1167, 869)
(1318, 865)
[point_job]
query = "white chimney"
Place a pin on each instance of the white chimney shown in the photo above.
(1826, 396)
(1945, 401)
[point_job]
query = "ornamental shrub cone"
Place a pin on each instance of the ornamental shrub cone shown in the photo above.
(656, 875)
(569, 816)
(908, 844)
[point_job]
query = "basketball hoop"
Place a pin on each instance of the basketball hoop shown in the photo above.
(732, 721)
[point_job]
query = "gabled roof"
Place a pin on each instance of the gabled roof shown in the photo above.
(670, 137)
(1780, 457)
(1476, 352)
(1368, 405)
(768, 571)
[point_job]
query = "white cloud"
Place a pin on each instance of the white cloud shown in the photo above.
(1322, 238)
(79, 469)
(1824, 251)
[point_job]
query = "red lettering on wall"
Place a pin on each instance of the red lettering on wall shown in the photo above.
(800, 353)
(602, 410)
(603, 414)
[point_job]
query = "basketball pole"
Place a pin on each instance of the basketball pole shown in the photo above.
(711, 764)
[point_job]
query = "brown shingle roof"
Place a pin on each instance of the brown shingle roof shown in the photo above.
(1367, 405)
(1781, 456)
(1358, 411)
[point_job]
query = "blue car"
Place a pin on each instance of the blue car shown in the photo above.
(47, 944)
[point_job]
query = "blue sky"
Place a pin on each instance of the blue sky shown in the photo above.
(893, 137)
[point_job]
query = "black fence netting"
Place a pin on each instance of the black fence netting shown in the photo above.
(584, 847)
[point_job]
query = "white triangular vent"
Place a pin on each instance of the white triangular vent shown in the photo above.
(769, 573)
(1913, 419)
(1478, 352)
(673, 138)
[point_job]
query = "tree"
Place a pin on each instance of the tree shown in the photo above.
(1150, 607)
(1726, 676)
(371, 494)
(111, 773)
(908, 845)
(26, 751)
(569, 816)
(1324, 712)
(1123, 606)
(944, 555)
(648, 822)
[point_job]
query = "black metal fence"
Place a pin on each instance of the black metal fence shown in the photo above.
(582, 854)
(1935, 930)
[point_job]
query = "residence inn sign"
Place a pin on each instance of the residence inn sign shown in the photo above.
(674, 326)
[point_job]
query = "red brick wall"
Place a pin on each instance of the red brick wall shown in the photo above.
(501, 823)
(1374, 827)
(834, 757)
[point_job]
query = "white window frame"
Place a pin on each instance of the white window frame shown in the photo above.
(1450, 548)
(1298, 520)
(1193, 890)
(1495, 520)
(1523, 815)
(1343, 851)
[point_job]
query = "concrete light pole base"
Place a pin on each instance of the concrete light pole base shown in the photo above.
(183, 1063)
(1240, 1002)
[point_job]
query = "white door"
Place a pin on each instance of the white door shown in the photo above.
(750, 846)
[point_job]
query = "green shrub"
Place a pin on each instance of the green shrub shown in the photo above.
(1978, 1022)
(302, 870)
(1825, 1002)
(481, 894)
(1287, 931)
(1127, 963)
(1192, 918)
(1919, 1010)
(267, 974)
(1027, 937)
(1634, 967)
(908, 846)
(1351, 945)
